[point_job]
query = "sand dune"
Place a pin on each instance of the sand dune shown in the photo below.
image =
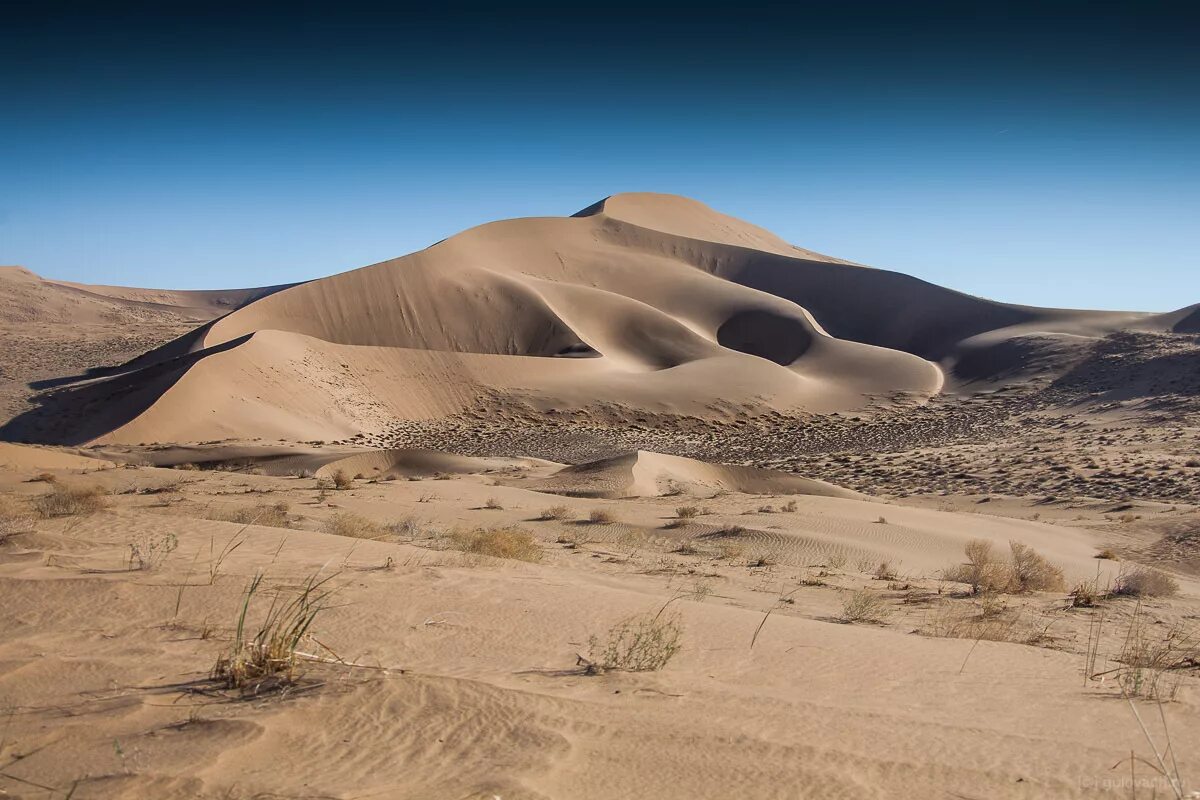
(640, 303)
(643, 474)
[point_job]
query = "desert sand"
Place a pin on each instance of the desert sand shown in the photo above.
(492, 454)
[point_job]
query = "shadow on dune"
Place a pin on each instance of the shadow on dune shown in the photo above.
(81, 413)
(765, 334)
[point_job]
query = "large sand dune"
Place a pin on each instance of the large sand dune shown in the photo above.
(640, 303)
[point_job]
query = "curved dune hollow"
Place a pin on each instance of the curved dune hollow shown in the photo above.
(640, 303)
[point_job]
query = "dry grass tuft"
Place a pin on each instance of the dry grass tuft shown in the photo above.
(790, 506)
(687, 512)
(1107, 555)
(15, 517)
(601, 516)
(355, 526)
(63, 501)
(554, 512)
(493, 504)
(1144, 582)
(641, 643)
(44, 477)
(149, 551)
(864, 606)
(341, 480)
(271, 515)
(502, 542)
(267, 659)
(1030, 572)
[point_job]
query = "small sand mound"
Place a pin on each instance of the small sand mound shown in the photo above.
(642, 474)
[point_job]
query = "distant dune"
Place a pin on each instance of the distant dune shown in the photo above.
(640, 303)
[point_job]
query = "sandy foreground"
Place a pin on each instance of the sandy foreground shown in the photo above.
(440, 673)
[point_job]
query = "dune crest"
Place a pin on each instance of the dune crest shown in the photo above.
(641, 303)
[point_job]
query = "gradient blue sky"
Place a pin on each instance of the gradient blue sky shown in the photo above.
(1046, 153)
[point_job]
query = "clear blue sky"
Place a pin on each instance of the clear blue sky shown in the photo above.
(1048, 158)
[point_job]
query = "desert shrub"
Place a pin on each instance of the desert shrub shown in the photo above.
(1086, 594)
(1107, 555)
(601, 516)
(503, 542)
(730, 551)
(44, 477)
(764, 557)
(493, 504)
(149, 551)
(790, 506)
(271, 515)
(554, 512)
(356, 526)
(341, 480)
(405, 527)
(1144, 582)
(687, 512)
(864, 606)
(641, 643)
(885, 571)
(63, 501)
(1025, 571)
(266, 658)
(1030, 572)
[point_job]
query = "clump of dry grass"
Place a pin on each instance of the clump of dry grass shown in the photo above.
(1025, 571)
(267, 658)
(554, 512)
(1144, 582)
(493, 504)
(1154, 658)
(500, 542)
(44, 477)
(64, 501)
(356, 526)
(15, 517)
(641, 643)
(864, 606)
(1107, 555)
(405, 527)
(341, 480)
(271, 515)
(601, 516)
(687, 512)
(149, 551)
(790, 506)
(885, 571)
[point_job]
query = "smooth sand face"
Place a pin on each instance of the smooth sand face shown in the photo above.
(667, 413)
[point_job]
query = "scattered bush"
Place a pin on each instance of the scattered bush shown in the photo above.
(641, 643)
(504, 542)
(266, 659)
(493, 504)
(687, 512)
(885, 571)
(864, 606)
(766, 509)
(554, 512)
(1030, 572)
(356, 526)
(1144, 582)
(1025, 571)
(1086, 594)
(44, 477)
(63, 501)
(601, 516)
(341, 480)
(1107, 555)
(271, 515)
(790, 506)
